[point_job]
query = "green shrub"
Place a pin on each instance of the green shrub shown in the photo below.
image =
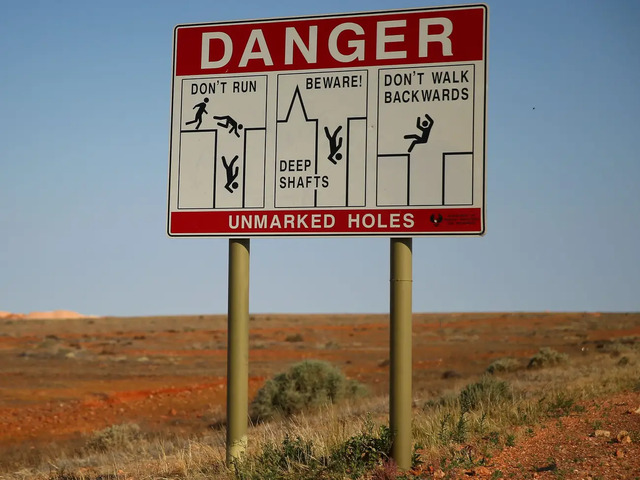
(506, 364)
(297, 459)
(624, 361)
(115, 437)
(562, 404)
(487, 392)
(618, 347)
(294, 338)
(362, 452)
(292, 459)
(305, 386)
(547, 357)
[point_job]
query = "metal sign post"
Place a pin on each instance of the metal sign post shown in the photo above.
(238, 349)
(400, 397)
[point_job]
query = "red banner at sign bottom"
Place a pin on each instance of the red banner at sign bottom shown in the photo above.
(326, 222)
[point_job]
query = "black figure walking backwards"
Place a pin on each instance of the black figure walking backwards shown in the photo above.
(425, 130)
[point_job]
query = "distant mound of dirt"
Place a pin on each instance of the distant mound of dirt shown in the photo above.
(54, 315)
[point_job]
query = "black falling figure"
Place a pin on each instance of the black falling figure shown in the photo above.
(229, 123)
(335, 143)
(232, 173)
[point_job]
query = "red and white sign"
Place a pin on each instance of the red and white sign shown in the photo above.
(367, 124)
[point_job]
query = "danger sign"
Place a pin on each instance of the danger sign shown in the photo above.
(339, 125)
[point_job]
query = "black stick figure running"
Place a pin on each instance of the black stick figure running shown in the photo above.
(335, 143)
(202, 109)
(425, 130)
(229, 123)
(232, 173)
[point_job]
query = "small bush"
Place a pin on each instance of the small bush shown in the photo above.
(358, 456)
(115, 437)
(306, 385)
(294, 338)
(487, 392)
(292, 459)
(562, 404)
(624, 361)
(506, 364)
(362, 452)
(618, 347)
(547, 357)
(461, 430)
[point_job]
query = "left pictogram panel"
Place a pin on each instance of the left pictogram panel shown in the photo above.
(222, 142)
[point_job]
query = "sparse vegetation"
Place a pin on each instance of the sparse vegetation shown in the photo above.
(465, 420)
(482, 411)
(619, 346)
(338, 443)
(366, 451)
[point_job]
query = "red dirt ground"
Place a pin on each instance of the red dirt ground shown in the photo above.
(60, 379)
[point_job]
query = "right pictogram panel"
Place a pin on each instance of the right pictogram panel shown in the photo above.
(425, 136)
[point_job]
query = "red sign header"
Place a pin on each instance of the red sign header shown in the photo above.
(372, 39)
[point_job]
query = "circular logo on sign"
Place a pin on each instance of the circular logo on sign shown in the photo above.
(436, 219)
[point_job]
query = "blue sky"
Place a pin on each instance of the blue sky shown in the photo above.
(84, 136)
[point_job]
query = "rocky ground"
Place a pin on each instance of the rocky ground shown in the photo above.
(601, 442)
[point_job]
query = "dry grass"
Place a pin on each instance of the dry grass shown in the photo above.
(501, 409)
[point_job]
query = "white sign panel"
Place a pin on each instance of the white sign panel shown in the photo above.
(366, 124)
